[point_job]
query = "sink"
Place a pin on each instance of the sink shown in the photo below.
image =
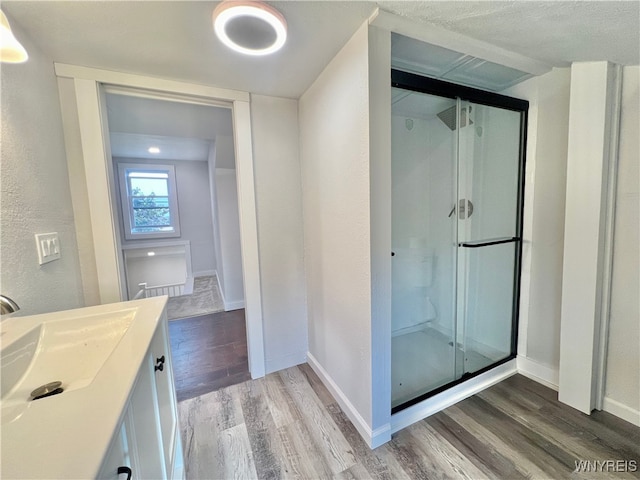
(96, 352)
(71, 350)
(16, 359)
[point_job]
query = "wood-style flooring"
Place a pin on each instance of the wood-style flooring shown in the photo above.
(287, 425)
(208, 352)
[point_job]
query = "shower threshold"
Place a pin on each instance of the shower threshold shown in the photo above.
(422, 407)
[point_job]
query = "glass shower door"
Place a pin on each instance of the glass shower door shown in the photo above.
(424, 179)
(456, 188)
(488, 229)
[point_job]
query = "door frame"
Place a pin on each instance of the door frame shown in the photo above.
(85, 129)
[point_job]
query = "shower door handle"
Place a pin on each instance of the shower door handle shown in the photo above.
(486, 243)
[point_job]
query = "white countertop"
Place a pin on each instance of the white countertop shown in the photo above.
(68, 435)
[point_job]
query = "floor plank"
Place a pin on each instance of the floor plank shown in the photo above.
(286, 426)
(209, 352)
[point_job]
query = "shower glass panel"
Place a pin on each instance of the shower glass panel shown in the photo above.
(424, 185)
(488, 181)
(456, 221)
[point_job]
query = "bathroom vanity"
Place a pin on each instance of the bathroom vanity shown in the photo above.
(116, 416)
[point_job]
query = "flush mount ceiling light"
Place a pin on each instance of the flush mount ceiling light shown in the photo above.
(250, 27)
(11, 51)
(153, 150)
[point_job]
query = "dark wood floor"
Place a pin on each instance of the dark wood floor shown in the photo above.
(287, 425)
(209, 352)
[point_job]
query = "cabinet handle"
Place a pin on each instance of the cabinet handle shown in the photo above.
(160, 367)
(160, 360)
(125, 470)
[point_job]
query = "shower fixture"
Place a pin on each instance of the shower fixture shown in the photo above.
(449, 117)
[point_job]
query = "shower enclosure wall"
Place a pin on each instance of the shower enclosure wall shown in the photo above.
(457, 167)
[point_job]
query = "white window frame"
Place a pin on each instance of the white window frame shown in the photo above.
(127, 205)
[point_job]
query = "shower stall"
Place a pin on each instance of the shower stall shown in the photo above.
(457, 197)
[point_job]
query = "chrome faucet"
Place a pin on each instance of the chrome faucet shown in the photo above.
(7, 306)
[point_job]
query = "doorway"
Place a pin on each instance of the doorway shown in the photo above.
(85, 125)
(176, 201)
(177, 209)
(457, 190)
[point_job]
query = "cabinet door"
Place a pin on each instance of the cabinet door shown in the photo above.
(165, 393)
(118, 456)
(144, 414)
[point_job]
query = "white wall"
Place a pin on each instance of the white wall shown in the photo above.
(226, 226)
(334, 148)
(196, 223)
(622, 390)
(274, 125)
(232, 287)
(543, 230)
(35, 195)
(215, 227)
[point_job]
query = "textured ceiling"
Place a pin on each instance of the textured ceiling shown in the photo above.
(174, 39)
(553, 31)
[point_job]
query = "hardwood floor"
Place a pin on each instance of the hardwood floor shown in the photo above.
(287, 425)
(209, 352)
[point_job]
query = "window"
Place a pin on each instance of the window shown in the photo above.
(149, 201)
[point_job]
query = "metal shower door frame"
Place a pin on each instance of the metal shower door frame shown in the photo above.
(417, 83)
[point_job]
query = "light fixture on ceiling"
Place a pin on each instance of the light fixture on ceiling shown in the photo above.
(153, 150)
(250, 27)
(11, 51)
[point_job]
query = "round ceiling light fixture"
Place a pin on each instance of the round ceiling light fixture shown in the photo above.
(250, 27)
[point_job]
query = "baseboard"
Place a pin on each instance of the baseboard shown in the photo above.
(374, 438)
(621, 410)
(228, 306)
(285, 361)
(451, 396)
(547, 376)
(205, 273)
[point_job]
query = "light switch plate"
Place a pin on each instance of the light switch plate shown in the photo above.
(48, 245)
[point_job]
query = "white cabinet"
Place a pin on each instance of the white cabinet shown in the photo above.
(147, 444)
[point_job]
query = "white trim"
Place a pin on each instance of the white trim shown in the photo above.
(593, 108)
(148, 83)
(249, 236)
(379, 56)
(374, 438)
(286, 361)
(537, 372)
(220, 289)
(452, 396)
(230, 305)
(237, 305)
(621, 410)
(460, 43)
(166, 96)
(126, 203)
(96, 171)
(156, 244)
(609, 220)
